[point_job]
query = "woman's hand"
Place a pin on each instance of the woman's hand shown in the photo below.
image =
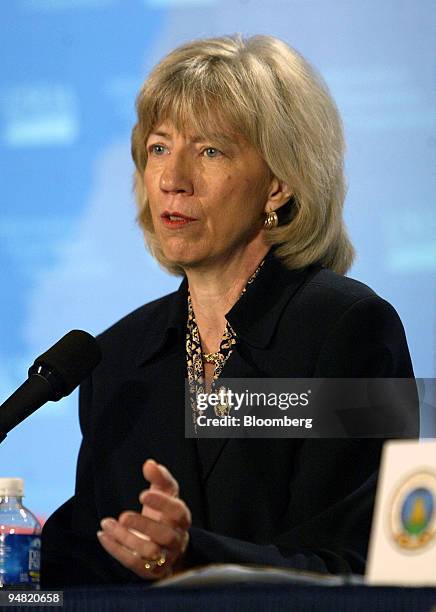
(153, 542)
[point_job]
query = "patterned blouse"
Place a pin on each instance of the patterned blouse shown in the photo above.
(195, 355)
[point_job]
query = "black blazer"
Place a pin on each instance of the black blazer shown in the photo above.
(295, 503)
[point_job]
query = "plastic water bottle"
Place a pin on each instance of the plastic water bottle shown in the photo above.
(20, 539)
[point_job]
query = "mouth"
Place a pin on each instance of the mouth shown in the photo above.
(175, 219)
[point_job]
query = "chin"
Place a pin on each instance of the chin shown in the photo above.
(181, 257)
(184, 253)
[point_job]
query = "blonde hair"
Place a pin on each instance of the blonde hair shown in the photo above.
(265, 91)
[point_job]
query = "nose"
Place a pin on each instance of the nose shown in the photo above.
(176, 176)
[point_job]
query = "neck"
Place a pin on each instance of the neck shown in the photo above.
(215, 289)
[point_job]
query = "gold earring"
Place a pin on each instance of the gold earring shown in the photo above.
(271, 220)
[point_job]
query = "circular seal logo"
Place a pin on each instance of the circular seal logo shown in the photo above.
(413, 511)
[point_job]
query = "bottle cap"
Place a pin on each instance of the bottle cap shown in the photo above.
(11, 487)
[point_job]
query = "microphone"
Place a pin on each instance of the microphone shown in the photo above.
(55, 374)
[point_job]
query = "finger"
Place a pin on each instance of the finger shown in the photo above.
(172, 510)
(164, 535)
(151, 513)
(128, 558)
(160, 477)
(136, 542)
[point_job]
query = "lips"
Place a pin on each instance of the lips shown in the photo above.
(175, 219)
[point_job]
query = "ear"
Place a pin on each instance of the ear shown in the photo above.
(279, 193)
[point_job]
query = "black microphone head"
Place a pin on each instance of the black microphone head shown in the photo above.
(68, 362)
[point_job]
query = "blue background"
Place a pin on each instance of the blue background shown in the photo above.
(71, 255)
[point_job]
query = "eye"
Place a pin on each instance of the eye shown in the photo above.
(211, 152)
(157, 149)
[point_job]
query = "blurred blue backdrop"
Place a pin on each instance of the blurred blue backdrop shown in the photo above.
(71, 255)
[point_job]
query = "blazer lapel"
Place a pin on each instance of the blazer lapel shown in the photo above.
(162, 421)
(254, 318)
(210, 449)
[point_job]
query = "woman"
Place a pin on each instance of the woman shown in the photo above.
(239, 179)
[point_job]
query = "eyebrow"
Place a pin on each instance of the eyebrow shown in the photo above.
(219, 137)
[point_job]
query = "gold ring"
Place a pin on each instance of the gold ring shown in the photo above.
(151, 564)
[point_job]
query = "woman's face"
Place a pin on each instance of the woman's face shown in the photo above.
(207, 196)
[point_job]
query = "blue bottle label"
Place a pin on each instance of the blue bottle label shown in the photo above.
(21, 559)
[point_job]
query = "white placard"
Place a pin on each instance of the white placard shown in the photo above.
(403, 540)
